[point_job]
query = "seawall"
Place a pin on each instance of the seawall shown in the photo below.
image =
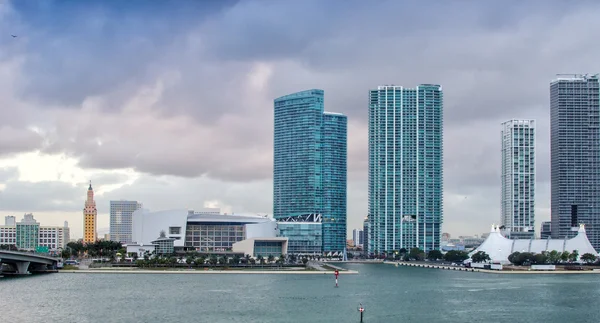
(200, 272)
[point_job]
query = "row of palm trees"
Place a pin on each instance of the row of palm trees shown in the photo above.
(198, 260)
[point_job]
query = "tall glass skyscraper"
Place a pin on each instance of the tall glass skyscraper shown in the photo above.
(405, 168)
(310, 154)
(121, 220)
(518, 178)
(575, 156)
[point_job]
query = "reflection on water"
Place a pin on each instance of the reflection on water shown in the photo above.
(388, 293)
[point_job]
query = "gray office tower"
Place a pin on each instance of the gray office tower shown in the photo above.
(121, 220)
(575, 156)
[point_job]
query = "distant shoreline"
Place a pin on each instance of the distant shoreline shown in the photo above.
(488, 271)
(200, 272)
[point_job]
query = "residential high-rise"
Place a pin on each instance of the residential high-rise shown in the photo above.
(309, 173)
(90, 214)
(366, 236)
(121, 220)
(518, 178)
(405, 168)
(27, 233)
(333, 183)
(575, 156)
(357, 237)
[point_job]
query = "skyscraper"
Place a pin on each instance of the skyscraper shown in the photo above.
(518, 178)
(405, 168)
(89, 217)
(575, 156)
(309, 170)
(121, 220)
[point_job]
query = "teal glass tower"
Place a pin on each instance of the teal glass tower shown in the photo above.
(309, 168)
(405, 168)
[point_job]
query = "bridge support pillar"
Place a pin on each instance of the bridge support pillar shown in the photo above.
(22, 267)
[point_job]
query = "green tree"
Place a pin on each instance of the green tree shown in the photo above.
(65, 254)
(513, 257)
(270, 259)
(213, 260)
(540, 258)
(589, 258)
(573, 256)
(261, 259)
(416, 254)
(223, 260)
(435, 255)
(564, 257)
(553, 257)
(236, 259)
(199, 261)
(456, 256)
(480, 256)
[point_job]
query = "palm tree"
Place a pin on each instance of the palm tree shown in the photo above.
(199, 261)
(270, 259)
(236, 259)
(247, 257)
(281, 259)
(261, 259)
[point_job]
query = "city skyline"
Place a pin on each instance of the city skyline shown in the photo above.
(141, 109)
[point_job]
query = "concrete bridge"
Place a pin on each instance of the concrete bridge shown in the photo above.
(25, 263)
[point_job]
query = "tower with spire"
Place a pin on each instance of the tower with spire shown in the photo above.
(90, 214)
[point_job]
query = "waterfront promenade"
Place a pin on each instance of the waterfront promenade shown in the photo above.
(479, 270)
(193, 271)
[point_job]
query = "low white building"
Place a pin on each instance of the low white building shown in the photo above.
(499, 247)
(53, 237)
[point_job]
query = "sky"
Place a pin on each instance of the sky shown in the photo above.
(170, 103)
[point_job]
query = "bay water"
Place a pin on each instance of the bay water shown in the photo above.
(388, 294)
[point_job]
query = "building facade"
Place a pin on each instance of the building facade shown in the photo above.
(546, 230)
(405, 168)
(202, 232)
(304, 233)
(367, 236)
(518, 178)
(334, 158)
(52, 237)
(310, 156)
(121, 220)
(27, 233)
(575, 156)
(90, 214)
(358, 237)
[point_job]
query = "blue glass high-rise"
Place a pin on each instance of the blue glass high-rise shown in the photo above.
(405, 168)
(309, 169)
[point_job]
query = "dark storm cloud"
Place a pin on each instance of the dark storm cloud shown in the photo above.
(18, 140)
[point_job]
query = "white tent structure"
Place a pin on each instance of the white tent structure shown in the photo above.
(499, 248)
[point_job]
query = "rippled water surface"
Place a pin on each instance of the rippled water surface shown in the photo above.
(389, 294)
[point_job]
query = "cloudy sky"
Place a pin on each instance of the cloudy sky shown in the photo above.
(171, 103)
